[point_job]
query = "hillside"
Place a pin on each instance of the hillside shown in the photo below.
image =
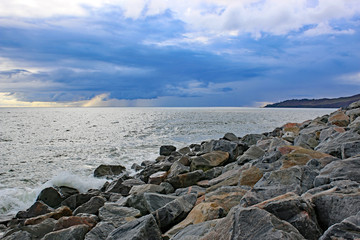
(316, 103)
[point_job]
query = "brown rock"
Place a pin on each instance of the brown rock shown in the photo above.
(66, 222)
(339, 118)
(37, 209)
(157, 177)
(60, 212)
(209, 160)
(226, 197)
(250, 176)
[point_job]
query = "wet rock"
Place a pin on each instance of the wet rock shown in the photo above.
(151, 169)
(40, 230)
(67, 191)
(139, 189)
(250, 224)
(144, 228)
(252, 153)
(157, 177)
(200, 213)
(186, 179)
(349, 228)
(123, 185)
(37, 209)
(296, 211)
(185, 150)
(339, 170)
(231, 137)
(57, 214)
(209, 160)
(76, 200)
(92, 206)
(100, 231)
(226, 196)
(72, 233)
(117, 214)
(23, 235)
(166, 150)
(251, 139)
(109, 170)
(177, 168)
(223, 145)
(51, 197)
(295, 179)
(339, 118)
(174, 212)
(333, 205)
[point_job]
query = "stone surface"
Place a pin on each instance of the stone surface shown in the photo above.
(350, 149)
(109, 170)
(100, 231)
(154, 201)
(177, 168)
(92, 206)
(186, 179)
(57, 214)
(209, 160)
(117, 214)
(37, 209)
(339, 118)
(223, 145)
(298, 212)
(138, 189)
(166, 150)
(174, 212)
(39, 230)
(252, 153)
(76, 200)
(196, 231)
(144, 228)
(151, 169)
(73, 233)
(157, 177)
(66, 222)
(252, 224)
(51, 197)
(19, 235)
(231, 137)
(226, 197)
(308, 141)
(251, 139)
(123, 185)
(250, 176)
(199, 191)
(349, 228)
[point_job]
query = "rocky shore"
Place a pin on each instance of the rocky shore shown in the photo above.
(300, 181)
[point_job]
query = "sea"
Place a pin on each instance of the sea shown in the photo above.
(42, 147)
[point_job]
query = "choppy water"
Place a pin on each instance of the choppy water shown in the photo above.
(40, 147)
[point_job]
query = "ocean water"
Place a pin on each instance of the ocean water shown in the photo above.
(41, 147)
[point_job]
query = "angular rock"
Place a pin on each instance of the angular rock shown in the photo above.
(339, 170)
(213, 173)
(195, 232)
(57, 214)
(252, 153)
(23, 235)
(117, 214)
(40, 230)
(100, 231)
(92, 206)
(51, 197)
(144, 228)
(73, 233)
(109, 170)
(66, 222)
(174, 212)
(231, 137)
(353, 114)
(157, 177)
(200, 213)
(168, 187)
(151, 169)
(76, 200)
(123, 186)
(251, 139)
(138, 189)
(250, 224)
(177, 168)
(308, 141)
(184, 150)
(339, 118)
(296, 211)
(225, 146)
(209, 160)
(226, 197)
(229, 178)
(37, 209)
(354, 105)
(186, 179)
(166, 150)
(350, 149)
(66, 191)
(154, 201)
(349, 228)
(199, 191)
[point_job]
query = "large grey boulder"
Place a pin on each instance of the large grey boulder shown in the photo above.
(139, 189)
(295, 210)
(144, 228)
(166, 150)
(252, 153)
(76, 200)
(41, 229)
(51, 197)
(177, 168)
(174, 212)
(209, 160)
(308, 141)
(349, 228)
(252, 224)
(123, 185)
(223, 145)
(117, 214)
(295, 179)
(109, 170)
(37, 209)
(196, 231)
(92, 206)
(339, 170)
(151, 169)
(72, 233)
(186, 179)
(251, 139)
(100, 231)
(23, 235)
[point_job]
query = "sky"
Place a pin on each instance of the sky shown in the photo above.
(176, 53)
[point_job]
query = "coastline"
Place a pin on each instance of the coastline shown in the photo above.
(208, 190)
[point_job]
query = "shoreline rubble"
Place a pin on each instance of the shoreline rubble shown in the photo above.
(300, 181)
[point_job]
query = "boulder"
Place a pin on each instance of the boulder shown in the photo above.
(76, 200)
(252, 153)
(298, 212)
(40, 230)
(144, 228)
(166, 150)
(353, 114)
(350, 149)
(349, 228)
(138, 189)
(354, 105)
(100, 231)
(37, 209)
(202, 212)
(51, 197)
(185, 151)
(72, 233)
(157, 177)
(174, 212)
(231, 137)
(295, 179)
(225, 146)
(66, 191)
(250, 176)
(66, 222)
(251, 139)
(226, 196)
(23, 235)
(229, 178)
(339, 118)
(252, 224)
(209, 160)
(308, 141)
(57, 214)
(186, 179)
(168, 187)
(117, 214)
(92, 206)
(154, 201)
(196, 231)
(123, 186)
(213, 173)
(151, 169)
(177, 168)
(109, 170)
(339, 170)
(199, 191)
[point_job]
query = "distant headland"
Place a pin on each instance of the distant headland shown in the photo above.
(316, 103)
